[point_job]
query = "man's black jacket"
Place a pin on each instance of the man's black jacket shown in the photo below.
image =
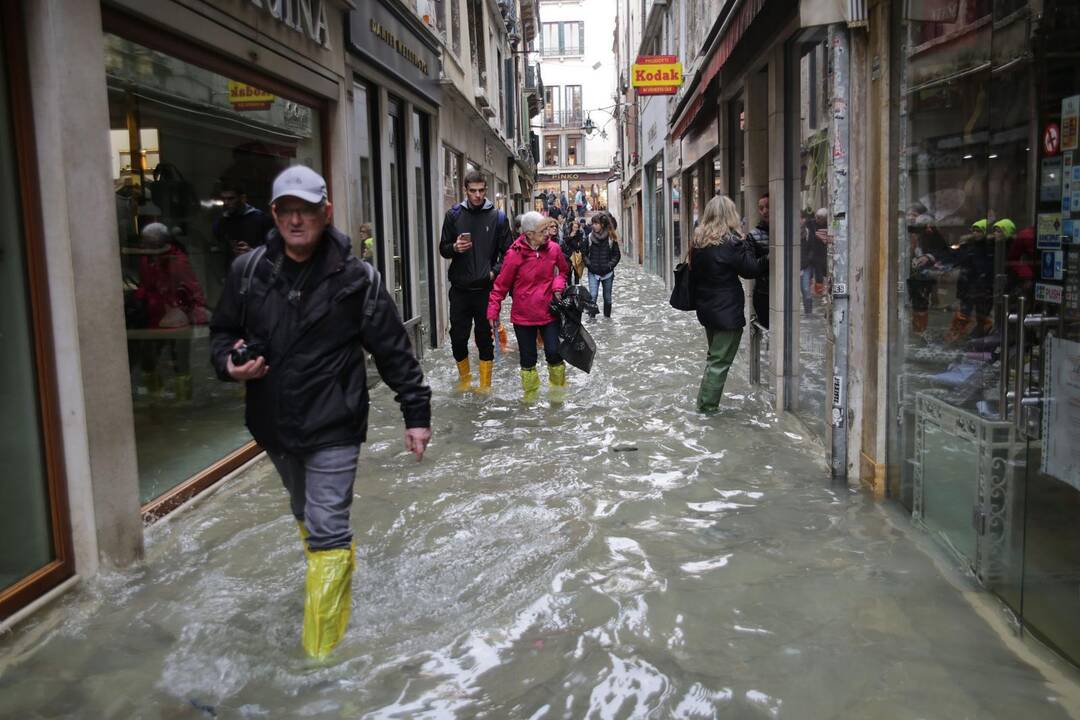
(315, 394)
(491, 238)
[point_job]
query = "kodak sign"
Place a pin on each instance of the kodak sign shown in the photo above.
(656, 75)
(248, 97)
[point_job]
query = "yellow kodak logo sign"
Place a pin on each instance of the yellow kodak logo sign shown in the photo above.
(249, 97)
(656, 75)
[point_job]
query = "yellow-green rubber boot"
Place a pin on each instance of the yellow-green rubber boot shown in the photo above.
(530, 383)
(464, 374)
(328, 599)
(557, 375)
(485, 375)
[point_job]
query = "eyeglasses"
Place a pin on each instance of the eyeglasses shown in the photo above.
(306, 212)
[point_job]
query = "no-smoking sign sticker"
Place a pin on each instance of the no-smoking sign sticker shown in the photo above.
(1052, 139)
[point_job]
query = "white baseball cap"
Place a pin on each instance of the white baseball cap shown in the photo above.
(300, 182)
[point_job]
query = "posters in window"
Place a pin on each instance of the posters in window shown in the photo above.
(1061, 416)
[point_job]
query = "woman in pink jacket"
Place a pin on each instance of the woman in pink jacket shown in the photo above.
(533, 271)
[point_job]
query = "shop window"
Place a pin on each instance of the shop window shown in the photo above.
(194, 154)
(363, 186)
(575, 150)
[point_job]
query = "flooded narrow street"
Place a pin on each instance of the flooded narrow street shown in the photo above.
(613, 555)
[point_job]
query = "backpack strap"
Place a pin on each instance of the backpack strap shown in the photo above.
(372, 295)
(251, 261)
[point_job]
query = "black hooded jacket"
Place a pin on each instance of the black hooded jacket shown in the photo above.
(315, 394)
(491, 237)
(602, 254)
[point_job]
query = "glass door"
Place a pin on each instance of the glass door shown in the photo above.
(813, 238)
(1040, 392)
(396, 269)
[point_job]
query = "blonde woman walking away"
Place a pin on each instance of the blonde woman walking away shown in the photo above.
(719, 254)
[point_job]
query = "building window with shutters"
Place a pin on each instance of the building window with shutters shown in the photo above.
(559, 39)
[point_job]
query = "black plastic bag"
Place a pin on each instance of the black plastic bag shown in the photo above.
(576, 345)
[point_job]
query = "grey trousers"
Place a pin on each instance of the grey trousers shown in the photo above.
(320, 485)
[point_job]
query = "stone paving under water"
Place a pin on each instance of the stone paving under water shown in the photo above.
(610, 555)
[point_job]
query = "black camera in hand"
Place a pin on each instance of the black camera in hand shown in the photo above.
(246, 353)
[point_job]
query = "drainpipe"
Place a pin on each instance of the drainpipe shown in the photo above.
(839, 51)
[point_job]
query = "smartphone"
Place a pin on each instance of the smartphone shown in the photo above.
(467, 236)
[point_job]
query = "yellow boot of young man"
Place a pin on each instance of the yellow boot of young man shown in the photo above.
(464, 374)
(530, 383)
(327, 599)
(485, 375)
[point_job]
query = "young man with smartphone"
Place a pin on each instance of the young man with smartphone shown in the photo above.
(475, 234)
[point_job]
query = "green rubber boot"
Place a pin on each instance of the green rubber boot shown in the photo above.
(530, 383)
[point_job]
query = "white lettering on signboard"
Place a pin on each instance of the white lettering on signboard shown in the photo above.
(307, 17)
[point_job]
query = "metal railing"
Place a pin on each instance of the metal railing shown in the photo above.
(564, 51)
(564, 119)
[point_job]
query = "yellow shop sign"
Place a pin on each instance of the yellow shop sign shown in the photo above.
(656, 75)
(249, 97)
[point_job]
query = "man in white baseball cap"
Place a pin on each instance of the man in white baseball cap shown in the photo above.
(293, 323)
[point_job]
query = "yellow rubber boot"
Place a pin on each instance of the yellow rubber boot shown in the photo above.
(485, 375)
(328, 599)
(530, 383)
(557, 375)
(464, 374)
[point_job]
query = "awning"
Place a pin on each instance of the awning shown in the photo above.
(734, 28)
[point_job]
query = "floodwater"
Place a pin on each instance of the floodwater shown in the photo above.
(612, 555)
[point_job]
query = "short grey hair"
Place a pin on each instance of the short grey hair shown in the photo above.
(532, 220)
(155, 233)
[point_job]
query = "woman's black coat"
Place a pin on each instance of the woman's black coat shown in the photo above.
(714, 274)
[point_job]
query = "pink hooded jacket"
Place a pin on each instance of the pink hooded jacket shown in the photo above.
(533, 276)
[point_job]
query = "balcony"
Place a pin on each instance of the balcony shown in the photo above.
(534, 89)
(565, 119)
(573, 51)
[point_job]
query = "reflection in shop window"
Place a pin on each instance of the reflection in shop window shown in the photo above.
(193, 157)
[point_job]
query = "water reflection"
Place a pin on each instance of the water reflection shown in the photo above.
(528, 569)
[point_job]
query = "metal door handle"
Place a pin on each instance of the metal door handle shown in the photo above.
(1003, 381)
(1021, 341)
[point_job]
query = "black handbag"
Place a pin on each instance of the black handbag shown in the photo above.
(682, 294)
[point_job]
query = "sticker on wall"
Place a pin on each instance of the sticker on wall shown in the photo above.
(1049, 231)
(1050, 180)
(1053, 262)
(1048, 293)
(1070, 122)
(1069, 229)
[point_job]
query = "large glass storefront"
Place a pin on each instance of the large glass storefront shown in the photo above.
(985, 363)
(193, 157)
